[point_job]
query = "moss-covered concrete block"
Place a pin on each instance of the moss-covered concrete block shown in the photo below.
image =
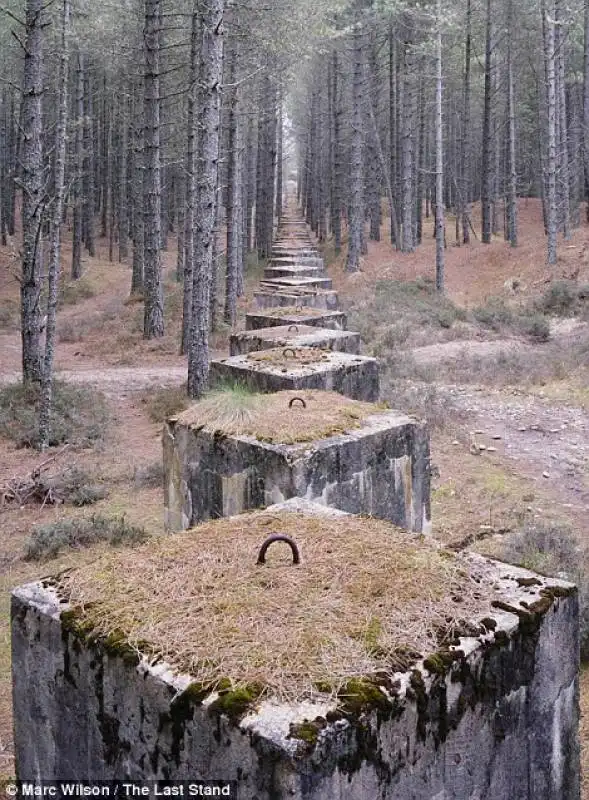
(278, 369)
(381, 468)
(294, 336)
(493, 714)
(295, 315)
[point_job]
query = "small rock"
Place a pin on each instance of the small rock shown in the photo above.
(491, 449)
(545, 474)
(482, 447)
(496, 436)
(480, 433)
(522, 430)
(455, 442)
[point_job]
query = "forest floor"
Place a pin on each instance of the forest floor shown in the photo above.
(509, 410)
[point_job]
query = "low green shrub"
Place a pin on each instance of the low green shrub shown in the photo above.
(47, 541)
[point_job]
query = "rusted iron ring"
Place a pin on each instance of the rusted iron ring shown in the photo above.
(291, 327)
(292, 400)
(289, 350)
(279, 537)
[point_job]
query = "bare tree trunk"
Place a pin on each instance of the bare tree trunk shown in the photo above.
(233, 210)
(123, 216)
(211, 66)
(512, 177)
(408, 240)
(137, 189)
(32, 185)
(78, 183)
(439, 156)
(550, 61)
(465, 138)
(153, 321)
(89, 165)
(336, 216)
(586, 98)
(487, 166)
(562, 122)
(279, 157)
(55, 246)
(190, 191)
(356, 206)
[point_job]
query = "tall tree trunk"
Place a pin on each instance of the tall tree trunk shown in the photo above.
(562, 122)
(408, 239)
(190, 190)
(153, 321)
(586, 99)
(137, 274)
(211, 66)
(336, 215)
(279, 158)
(392, 131)
(89, 166)
(373, 166)
(233, 210)
(55, 246)
(487, 165)
(439, 156)
(78, 220)
(465, 138)
(512, 170)
(32, 200)
(123, 215)
(551, 109)
(356, 206)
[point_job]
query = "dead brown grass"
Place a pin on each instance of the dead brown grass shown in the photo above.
(203, 604)
(268, 417)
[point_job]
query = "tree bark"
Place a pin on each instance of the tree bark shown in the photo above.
(153, 320)
(550, 62)
(77, 234)
(32, 200)
(512, 169)
(55, 245)
(211, 65)
(487, 165)
(356, 205)
(137, 189)
(439, 157)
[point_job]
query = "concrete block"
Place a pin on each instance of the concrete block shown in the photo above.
(314, 298)
(294, 336)
(293, 270)
(277, 369)
(309, 282)
(320, 318)
(381, 468)
(494, 716)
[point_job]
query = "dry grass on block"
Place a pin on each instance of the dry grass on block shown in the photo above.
(291, 311)
(289, 356)
(363, 592)
(268, 417)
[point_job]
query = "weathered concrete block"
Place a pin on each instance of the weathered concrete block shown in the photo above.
(302, 259)
(381, 468)
(292, 271)
(492, 717)
(314, 298)
(320, 318)
(294, 336)
(309, 282)
(278, 369)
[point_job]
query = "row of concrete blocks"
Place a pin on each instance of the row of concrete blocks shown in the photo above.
(496, 717)
(381, 468)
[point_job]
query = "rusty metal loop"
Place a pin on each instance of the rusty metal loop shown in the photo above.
(297, 398)
(279, 537)
(296, 328)
(289, 350)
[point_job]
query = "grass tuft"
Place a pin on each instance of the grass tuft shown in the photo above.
(80, 416)
(47, 541)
